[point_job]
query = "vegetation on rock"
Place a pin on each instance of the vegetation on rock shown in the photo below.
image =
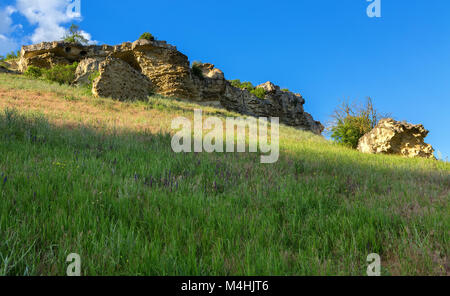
(257, 91)
(75, 35)
(196, 69)
(147, 36)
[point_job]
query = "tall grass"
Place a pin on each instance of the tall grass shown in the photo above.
(72, 182)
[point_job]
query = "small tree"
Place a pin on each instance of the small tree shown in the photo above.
(75, 35)
(350, 122)
(11, 56)
(147, 36)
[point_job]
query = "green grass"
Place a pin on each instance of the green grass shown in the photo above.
(71, 181)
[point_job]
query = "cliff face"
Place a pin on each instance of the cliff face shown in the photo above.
(168, 72)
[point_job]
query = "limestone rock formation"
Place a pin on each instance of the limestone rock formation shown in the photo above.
(283, 104)
(48, 54)
(394, 137)
(167, 71)
(211, 84)
(120, 81)
(86, 68)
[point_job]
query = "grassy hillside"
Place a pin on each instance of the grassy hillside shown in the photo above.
(98, 178)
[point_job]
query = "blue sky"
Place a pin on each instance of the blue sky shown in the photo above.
(327, 50)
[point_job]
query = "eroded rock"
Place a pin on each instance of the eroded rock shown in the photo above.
(167, 72)
(211, 84)
(48, 54)
(394, 137)
(118, 80)
(276, 103)
(86, 69)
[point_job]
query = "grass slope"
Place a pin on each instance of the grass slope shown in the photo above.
(98, 178)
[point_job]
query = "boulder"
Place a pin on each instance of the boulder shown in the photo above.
(394, 137)
(118, 80)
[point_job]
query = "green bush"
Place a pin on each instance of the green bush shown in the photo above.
(63, 74)
(196, 70)
(350, 123)
(33, 72)
(258, 92)
(11, 56)
(147, 36)
(285, 89)
(237, 83)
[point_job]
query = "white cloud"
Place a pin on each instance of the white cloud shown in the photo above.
(7, 44)
(49, 16)
(6, 26)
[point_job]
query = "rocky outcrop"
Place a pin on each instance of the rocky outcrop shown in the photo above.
(212, 86)
(48, 54)
(276, 103)
(118, 80)
(210, 83)
(86, 70)
(167, 68)
(394, 137)
(123, 68)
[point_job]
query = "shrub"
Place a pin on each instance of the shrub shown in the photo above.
(237, 83)
(33, 72)
(196, 70)
(63, 74)
(258, 92)
(350, 123)
(147, 36)
(285, 89)
(11, 56)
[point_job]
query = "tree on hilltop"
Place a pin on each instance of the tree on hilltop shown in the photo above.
(75, 35)
(147, 36)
